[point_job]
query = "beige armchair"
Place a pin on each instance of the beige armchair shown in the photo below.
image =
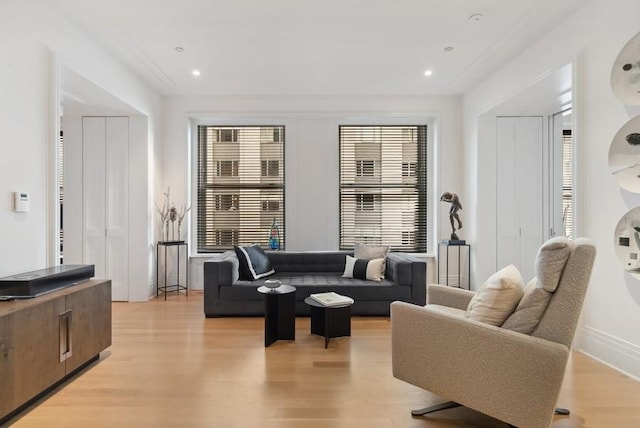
(511, 376)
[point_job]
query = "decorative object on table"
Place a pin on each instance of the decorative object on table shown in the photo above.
(170, 214)
(453, 199)
(624, 155)
(183, 212)
(272, 284)
(331, 299)
(625, 73)
(274, 236)
(627, 241)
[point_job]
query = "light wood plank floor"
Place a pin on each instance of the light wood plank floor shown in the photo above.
(170, 367)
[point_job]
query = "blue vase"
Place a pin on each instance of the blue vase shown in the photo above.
(274, 236)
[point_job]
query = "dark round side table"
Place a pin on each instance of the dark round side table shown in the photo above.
(329, 321)
(279, 313)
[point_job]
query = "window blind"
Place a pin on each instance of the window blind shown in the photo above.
(240, 186)
(567, 183)
(383, 186)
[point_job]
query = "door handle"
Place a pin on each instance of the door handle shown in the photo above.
(65, 335)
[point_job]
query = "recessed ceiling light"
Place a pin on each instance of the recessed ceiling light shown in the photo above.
(179, 49)
(476, 17)
(448, 49)
(196, 72)
(428, 72)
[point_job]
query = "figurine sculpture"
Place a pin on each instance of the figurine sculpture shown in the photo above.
(452, 198)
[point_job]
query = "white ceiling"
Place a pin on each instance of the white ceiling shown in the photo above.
(314, 47)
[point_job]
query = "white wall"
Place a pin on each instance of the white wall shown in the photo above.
(30, 35)
(593, 36)
(311, 152)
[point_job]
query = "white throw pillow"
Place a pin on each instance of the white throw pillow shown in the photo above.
(497, 298)
(363, 269)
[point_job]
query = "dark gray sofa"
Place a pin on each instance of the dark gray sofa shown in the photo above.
(312, 272)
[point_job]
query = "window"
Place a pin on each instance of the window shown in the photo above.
(227, 135)
(366, 202)
(271, 135)
(365, 168)
(389, 207)
(226, 237)
(227, 168)
(226, 202)
(409, 169)
(270, 206)
(240, 185)
(270, 168)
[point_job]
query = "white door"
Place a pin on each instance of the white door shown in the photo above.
(519, 192)
(105, 200)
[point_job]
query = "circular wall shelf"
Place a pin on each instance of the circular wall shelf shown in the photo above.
(624, 155)
(627, 241)
(625, 74)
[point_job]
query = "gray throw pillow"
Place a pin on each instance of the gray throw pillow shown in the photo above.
(532, 306)
(550, 261)
(370, 252)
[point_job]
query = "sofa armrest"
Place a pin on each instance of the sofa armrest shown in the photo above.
(405, 269)
(220, 270)
(448, 296)
(508, 375)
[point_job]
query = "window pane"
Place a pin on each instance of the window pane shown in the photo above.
(383, 186)
(240, 185)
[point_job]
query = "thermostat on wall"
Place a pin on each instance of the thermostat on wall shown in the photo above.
(21, 202)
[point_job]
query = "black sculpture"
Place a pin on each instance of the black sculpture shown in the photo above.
(452, 198)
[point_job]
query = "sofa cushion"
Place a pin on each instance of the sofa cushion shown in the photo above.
(530, 309)
(320, 282)
(254, 263)
(497, 298)
(308, 261)
(550, 261)
(364, 269)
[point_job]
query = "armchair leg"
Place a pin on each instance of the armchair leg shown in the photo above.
(436, 408)
(559, 411)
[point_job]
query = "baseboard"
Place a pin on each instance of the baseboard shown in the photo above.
(616, 353)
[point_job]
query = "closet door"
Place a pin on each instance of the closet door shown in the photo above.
(117, 206)
(519, 192)
(93, 194)
(105, 200)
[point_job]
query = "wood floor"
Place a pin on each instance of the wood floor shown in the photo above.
(170, 367)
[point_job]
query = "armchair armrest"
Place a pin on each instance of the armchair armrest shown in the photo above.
(511, 376)
(448, 296)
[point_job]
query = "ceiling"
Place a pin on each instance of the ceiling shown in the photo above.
(314, 47)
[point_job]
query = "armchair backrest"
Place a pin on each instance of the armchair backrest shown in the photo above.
(559, 322)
